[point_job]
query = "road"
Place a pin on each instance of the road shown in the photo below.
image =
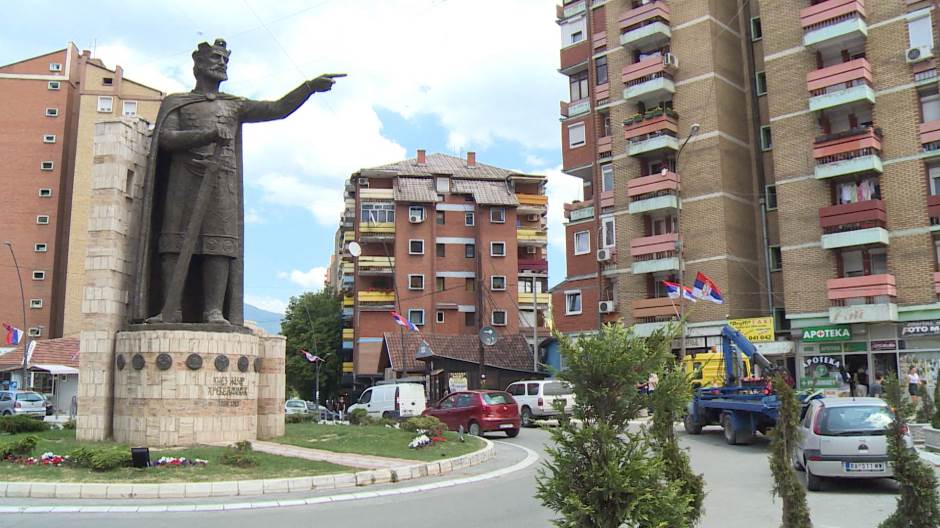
(738, 484)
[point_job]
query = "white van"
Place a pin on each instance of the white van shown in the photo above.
(397, 400)
(536, 398)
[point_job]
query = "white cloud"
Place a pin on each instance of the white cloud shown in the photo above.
(561, 189)
(270, 304)
(252, 216)
(311, 280)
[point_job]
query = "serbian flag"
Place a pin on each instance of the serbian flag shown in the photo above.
(706, 289)
(672, 289)
(14, 334)
(401, 321)
(310, 357)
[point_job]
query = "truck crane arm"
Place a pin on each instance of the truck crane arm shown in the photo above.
(728, 336)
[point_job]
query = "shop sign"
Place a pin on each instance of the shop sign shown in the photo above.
(821, 372)
(855, 347)
(920, 328)
(887, 344)
(827, 333)
(830, 348)
(755, 329)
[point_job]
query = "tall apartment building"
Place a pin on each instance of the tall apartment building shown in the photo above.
(811, 191)
(48, 109)
(451, 244)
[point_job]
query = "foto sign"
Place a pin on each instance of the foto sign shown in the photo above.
(920, 328)
(815, 334)
(755, 329)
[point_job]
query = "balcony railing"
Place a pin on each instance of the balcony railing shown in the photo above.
(869, 287)
(607, 199)
(852, 216)
(347, 301)
(540, 298)
(845, 83)
(605, 145)
(572, 57)
(648, 81)
(570, 9)
(646, 25)
(936, 282)
(376, 265)
(652, 132)
(532, 199)
(657, 191)
(376, 194)
(854, 151)
(656, 309)
(531, 236)
(534, 265)
(834, 22)
(385, 227)
(376, 297)
(348, 333)
(655, 246)
(933, 209)
(579, 210)
(930, 135)
(575, 108)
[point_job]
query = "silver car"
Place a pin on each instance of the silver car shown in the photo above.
(22, 402)
(845, 438)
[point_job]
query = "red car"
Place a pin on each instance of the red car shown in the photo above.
(478, 411)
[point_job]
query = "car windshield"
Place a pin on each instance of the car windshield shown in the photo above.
(29, 397)
(557, 388)
(858, 420)
(296, 404)
(496, 398)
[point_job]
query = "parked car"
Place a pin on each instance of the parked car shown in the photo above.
(295, 407)
(844, 438)
(536, 398)
(322, 412)
(394, 400)
(22, 402)
(478, 412)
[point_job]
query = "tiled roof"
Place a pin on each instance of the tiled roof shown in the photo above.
(511, 352)
(415, 190)
(62, 351)
(487, 192)
(448, 165)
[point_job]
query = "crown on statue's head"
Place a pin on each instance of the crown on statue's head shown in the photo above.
(216, 48)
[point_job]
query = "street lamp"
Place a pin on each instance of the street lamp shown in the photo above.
(23, 304)
(680, 245)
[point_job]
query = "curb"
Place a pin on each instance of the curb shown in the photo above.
(242, 488)
(929, 457)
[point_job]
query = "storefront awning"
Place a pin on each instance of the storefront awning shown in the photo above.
(56, 369)
(775, 348)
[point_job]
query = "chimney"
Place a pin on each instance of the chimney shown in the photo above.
(471, 159)
(422, 158)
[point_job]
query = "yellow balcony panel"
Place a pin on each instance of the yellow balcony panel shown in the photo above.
(348, 333)
(376, 194)
(532, 199)
(347, 301)
(540, 298)
(376, 262)
(377, 228)
(376, 296)
(347, 366)
(348, 236)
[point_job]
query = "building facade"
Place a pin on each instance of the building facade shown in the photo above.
(49, 107)
(451, 244)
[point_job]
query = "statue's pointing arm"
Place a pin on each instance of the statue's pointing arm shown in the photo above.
(174, 139)
(255, 111)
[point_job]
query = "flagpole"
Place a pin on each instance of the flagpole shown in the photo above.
(680, 241)
(23, 305)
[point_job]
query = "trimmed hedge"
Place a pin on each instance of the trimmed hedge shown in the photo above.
(100, 459)
(431, 424)
(22, 446)
(22, 424)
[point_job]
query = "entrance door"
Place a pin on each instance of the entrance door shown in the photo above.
(885, 363)
(856, 366)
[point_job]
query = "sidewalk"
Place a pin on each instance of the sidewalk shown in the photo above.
(343, 459)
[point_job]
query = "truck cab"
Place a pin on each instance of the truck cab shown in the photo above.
(707, 369)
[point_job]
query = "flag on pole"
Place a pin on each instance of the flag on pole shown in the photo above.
(14, 334)
(704, 288)
(310, 357)
(672, 289)
(401, 321)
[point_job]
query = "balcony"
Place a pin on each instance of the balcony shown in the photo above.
(579, 211)
(376, 194)
(347, 312)
(842, 84)
(532, 199)
(851, 152)
(378, 228)
(875, 293)
(853, 224)
(347, 367)
(347, 301)
(575, 108)
(648, 81)
(348, 333)
(605, 145)
(607, 199)
(933, 209)
(936, 282)
(649, 310)
(652, 133)
(531, 237)
(570, 9)
(930, 136)
(373, 265)
(533, 265)
(602, 92)
(574, 58)
(376, 299)
(654, 253)
(652, 193)
(540, 298)
(348, 236)
(646, 26)
(835, 24)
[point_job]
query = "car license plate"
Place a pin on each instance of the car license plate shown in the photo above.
(864, 466)
(505, 426)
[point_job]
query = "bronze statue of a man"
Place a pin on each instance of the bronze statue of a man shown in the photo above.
(190, 258)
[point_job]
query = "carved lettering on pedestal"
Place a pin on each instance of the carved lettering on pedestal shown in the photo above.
(228, 390)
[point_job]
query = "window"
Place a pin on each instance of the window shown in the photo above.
(605, 124)
(48, 138)
(105, 104)
(930, 106)
(415, 281)
(607, 178)
(577, 36)
(770, 194)
(377, 213)
(40, 247)
(862, 262)
(766, 139)
(46, 165)
(757, 32)
(35, 303)
(55, 66)
(469, 318)
(45, 193)
(35, 331)
(107, 81)
(497, 249)
(609, 232)
(469, 218)
(578, 86)
(776, 258)
(600, 70)
(582, 242)
(439, 250)
(416, 317)
(416, 247)
(440, 316)
(573, 31)
(933, 174)
(760, 81)
(439, 217)
(39, 275)
(920, 30)
(53, 85)
(130, 109)
(572, 303)
(42, 219)
(576, 135)
(858, 191)
(470, 284)
(499, 318)
(416, 214)
(439, 283)
(52, 112)
(497, 215)
(469, 251)
(498, 283)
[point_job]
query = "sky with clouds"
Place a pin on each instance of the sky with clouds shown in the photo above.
(449, 76)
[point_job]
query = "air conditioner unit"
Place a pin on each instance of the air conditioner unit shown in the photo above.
(670, 60)
(603, 255)
(363, 182)
(606, 307)
(919, 54)
(531, 250)
(415, 219)
(534, 217)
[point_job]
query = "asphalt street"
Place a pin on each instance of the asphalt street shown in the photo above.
(737, 477)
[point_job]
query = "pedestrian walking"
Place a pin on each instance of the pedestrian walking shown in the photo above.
(913, 386)
(876, 389)
(861, 383)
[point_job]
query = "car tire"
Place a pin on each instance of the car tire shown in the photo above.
(526, 416)
(386, 415)
(728, 426)
(512, 433)
(7, 413)
(797, 465)
(474, 429)
(813, 483)
(691, 426)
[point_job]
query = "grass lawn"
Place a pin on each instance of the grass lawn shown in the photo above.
(61, 442)
(375, 440)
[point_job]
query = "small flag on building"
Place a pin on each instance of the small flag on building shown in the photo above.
(672, 289)
(310, 357)
(704, 288)
(401, 321)
(14, 334)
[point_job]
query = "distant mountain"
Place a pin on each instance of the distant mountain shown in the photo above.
(269, 321)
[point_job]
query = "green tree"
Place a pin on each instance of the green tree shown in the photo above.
(313, 321)
(600, 474)
(918, 503)
(783, 440)
(926, 411)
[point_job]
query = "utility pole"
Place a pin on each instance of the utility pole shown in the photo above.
(535, 327)
(23, 305)
(680, 242)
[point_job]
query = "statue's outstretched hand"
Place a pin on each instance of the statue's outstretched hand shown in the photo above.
(324, 82)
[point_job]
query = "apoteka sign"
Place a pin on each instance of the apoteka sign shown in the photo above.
(821, 372)
(826, 333)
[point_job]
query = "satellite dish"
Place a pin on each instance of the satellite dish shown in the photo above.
(488, 335)
(354, 249)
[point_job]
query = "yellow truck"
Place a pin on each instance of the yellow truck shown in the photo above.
(708, 368)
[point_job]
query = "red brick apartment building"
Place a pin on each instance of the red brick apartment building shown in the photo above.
(451, 244)
(806, 193)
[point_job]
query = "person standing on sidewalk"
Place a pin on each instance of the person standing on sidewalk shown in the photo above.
(913, 386)
(876, 390)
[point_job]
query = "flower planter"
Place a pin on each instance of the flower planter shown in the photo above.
(917, 431)
(932, 438)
